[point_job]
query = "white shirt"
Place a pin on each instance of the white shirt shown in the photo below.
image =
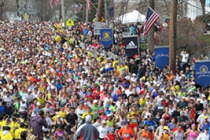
(23, 107)
(128, 92)
(79, 113)
(29, 98)
(8, 100)
(102, 131)
(49, 123)
(106, 100)
(184, 57)
(201, 117)
(170, 111)
(204, 102)
(203, 136)
(36, 95)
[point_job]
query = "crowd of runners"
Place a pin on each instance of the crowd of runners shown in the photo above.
(60, 83)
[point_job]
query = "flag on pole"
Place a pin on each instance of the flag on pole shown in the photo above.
(151, 18)
(51, 4)
(79, 7)
(56, 2)
(88, 4)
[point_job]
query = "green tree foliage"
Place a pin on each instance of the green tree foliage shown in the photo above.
(190, 36)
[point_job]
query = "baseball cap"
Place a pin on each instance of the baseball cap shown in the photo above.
(198, 100)
(107, 105)
(205, 117)
(38, 103)
(95, 101)
(166, 128)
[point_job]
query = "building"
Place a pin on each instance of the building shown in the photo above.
(186, 8)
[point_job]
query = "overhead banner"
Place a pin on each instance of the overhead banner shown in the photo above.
(161, 56)
(106, 37)
(131, 45)
(202, 73)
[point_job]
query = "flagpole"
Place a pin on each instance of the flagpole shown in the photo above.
(86, 20)
(63, 11)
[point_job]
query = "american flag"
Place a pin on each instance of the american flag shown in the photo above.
(151, 18)
(51, 3)
(56, 2)
(79, 7)
(88, 4)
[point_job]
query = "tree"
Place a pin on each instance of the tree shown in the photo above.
(190, 36)
(2, 2)
(203, 6)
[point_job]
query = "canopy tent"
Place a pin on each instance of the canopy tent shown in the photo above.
(132, 17)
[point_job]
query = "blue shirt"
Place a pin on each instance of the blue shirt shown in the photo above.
(132, 30)
(171, 127)
(2, 109)
(151, 125)
(58, 86)
(155, 94)
(115, 97)
(107, 112)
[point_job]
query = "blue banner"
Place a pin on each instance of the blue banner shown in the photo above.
(106, 37)
(202, 73)
(161, 57)
(111, 12)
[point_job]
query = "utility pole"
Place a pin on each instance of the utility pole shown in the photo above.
(86, 19)
(63, 12)
(172, 35)
(99, 12)
(150, 39)
(105, 10)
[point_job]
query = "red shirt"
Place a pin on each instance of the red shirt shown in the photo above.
(110, 137)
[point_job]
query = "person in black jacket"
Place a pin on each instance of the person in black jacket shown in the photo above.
(141, 71)
(133, 67)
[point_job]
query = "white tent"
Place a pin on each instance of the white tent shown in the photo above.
(132, 17)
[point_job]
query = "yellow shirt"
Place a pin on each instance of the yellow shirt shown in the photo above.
(8, 136)
(114, 63)
(85, 114)
(2, 123)
(42, 101)
(62, 114)
(13, 126)
(142, 102)
(135, 114)
(18, 132)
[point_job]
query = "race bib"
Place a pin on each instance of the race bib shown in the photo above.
(151, 128)
(134, 120)
(126, 135)
(96, 112)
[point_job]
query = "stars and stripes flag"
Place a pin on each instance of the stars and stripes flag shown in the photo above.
(79, 7)
(88, 4)
(151, 18)
(56, 2)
